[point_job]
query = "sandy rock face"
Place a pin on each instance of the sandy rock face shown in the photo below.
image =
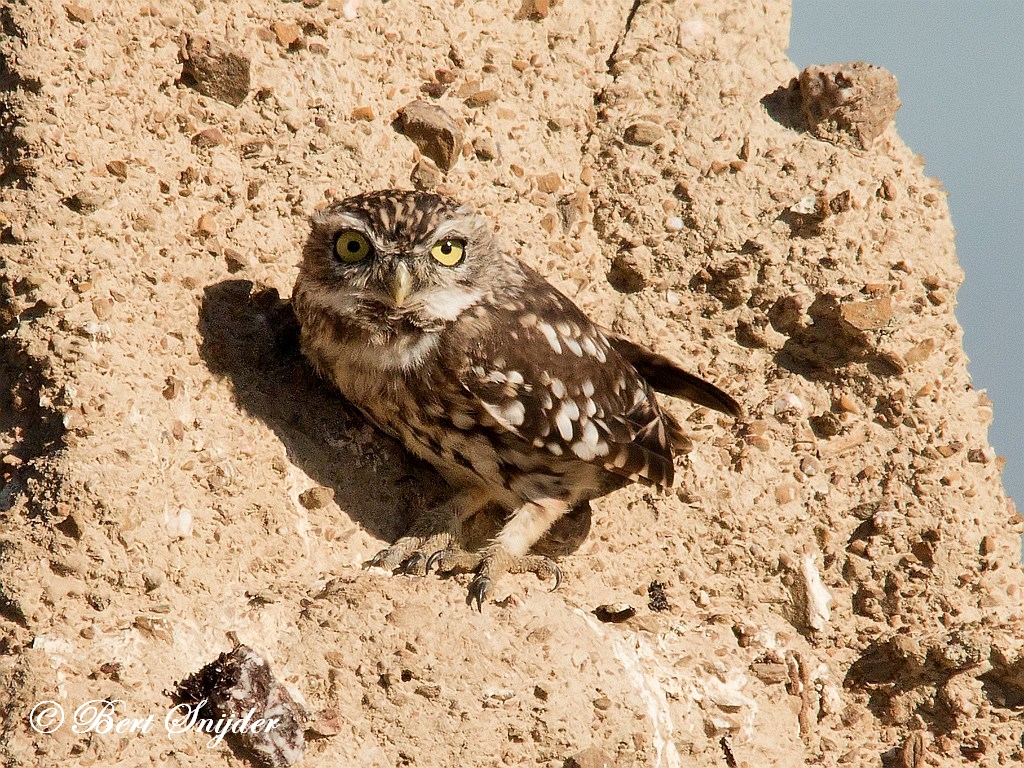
(835, 581)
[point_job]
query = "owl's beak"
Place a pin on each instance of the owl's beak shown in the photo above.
(400, 283)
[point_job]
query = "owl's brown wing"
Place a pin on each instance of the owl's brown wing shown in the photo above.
(668, 378)
(544, 373)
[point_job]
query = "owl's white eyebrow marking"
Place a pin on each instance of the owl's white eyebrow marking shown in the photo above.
(551, 336)
(445, 229)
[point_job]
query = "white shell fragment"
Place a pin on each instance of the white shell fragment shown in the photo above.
(818, 597)
(788, 403)
(178, 524)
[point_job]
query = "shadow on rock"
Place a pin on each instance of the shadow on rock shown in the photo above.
(251, 336)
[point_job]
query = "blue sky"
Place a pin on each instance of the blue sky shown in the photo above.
(960, 67)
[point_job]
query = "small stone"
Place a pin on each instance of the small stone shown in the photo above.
(481, 98)
(485, 148)
(674, 224)
(540, 8)
(86, 201)
(920, 351)
(870, 315)
(118, 168)
(433, 131)
(152, 579)
(887, 191)
(549, 182)
(316, 497)
(615, 612)
(425, 175)
(785, 493)
(984, 455)
(541, 692)
(208, 137)
(848, 404)
(174, 388)
(207, 225)
(591, 757)
(235, 260)
(631, 269)
(215, 70)
(363, 113)
(602, 703)
(848, 103)
(79, 13)
(286, 32)
(643, 133)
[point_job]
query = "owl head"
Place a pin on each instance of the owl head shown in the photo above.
(390, 256)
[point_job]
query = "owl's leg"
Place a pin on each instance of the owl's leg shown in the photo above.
(509, 552)
(433, 530)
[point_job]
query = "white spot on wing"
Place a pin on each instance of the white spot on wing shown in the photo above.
(551, 336)
(564, 424)
(573, 346)
(557, 388)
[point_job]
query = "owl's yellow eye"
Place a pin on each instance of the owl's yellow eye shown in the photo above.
(351, 246)
(448, 251)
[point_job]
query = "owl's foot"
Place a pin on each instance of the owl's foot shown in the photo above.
(411, 554)
(489, 566)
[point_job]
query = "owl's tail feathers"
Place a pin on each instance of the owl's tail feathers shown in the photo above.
(667, 377)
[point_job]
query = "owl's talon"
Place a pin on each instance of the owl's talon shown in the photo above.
(558, 577)
(479, 589)
(432, 560)
(413, 565)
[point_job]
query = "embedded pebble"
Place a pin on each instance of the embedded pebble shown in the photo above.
(316, 497)
(615, 612)
(433, 131)
(79, 13)
(674, 224)
(178, 525)
(631, 269)
(848, 103)
(788, 404)
(818, 598)
(286, 32)
(209, 137)
(643, 133)
(215, 70)
(869, 315)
